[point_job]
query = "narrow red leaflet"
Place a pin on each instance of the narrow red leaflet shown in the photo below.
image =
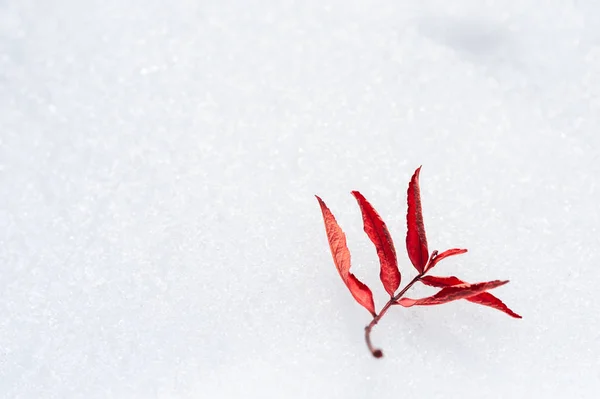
(341, 258)
(441, 282)
(445, 254)
(485, 299)
(452, 293)
(416, 241)
(378, 232)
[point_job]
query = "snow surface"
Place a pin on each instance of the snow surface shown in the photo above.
(159, 236)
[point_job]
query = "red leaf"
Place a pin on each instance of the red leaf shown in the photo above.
(380, 236)
(441, 282)
(416, 241)
(485, 299)
(436, 258)
(452, 293)
(341, 258)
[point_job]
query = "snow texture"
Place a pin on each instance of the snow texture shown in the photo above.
(159, 234)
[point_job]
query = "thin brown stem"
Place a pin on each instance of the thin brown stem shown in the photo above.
(377, 352)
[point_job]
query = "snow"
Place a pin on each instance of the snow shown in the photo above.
(159, 235)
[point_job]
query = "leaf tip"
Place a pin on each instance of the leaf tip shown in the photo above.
(417, 173)
(358, 196)
(322, 204)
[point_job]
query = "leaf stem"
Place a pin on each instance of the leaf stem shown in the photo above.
(374, 351)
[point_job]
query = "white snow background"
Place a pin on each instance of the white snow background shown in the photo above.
(159, 234)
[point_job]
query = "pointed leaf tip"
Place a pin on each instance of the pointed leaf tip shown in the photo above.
(416, 239)
(379, 235)
(341, 258)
